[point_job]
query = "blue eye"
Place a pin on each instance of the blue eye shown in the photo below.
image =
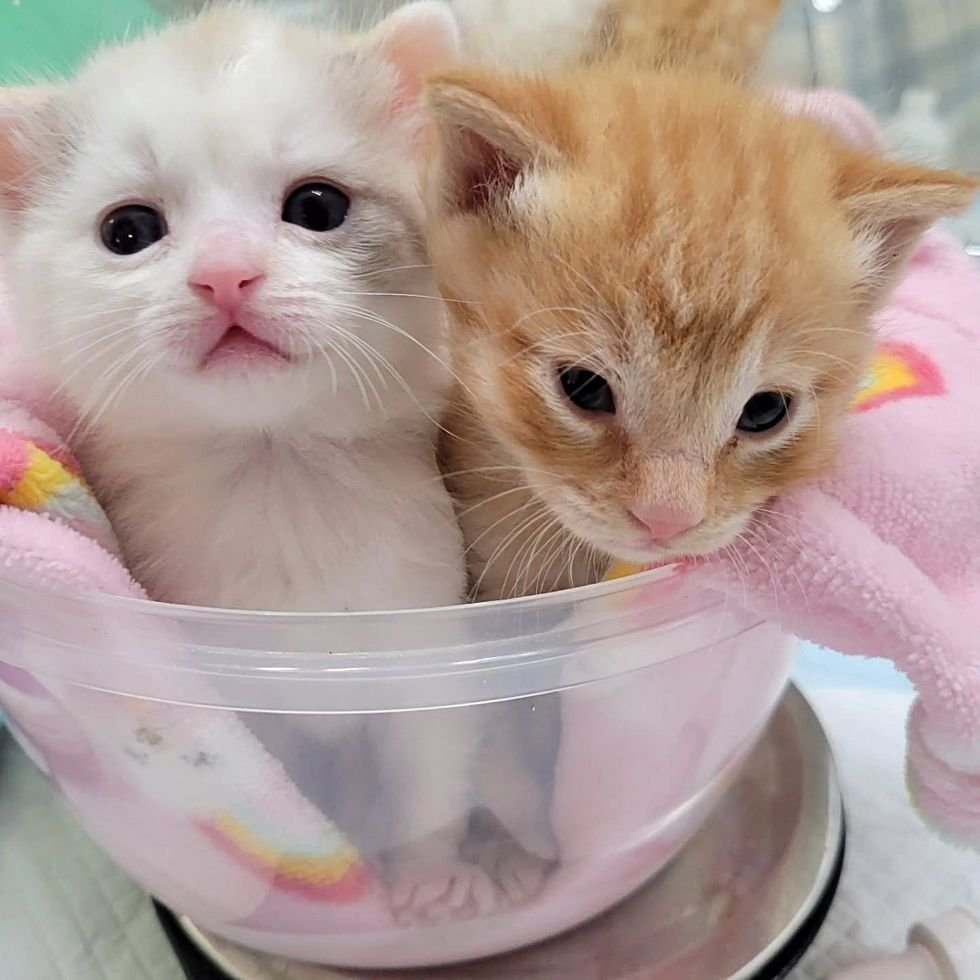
(764, 412)
(316, 207)
(132, 228)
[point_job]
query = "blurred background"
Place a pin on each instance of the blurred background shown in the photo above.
(880, 49)
(915, 62)
(877, 49)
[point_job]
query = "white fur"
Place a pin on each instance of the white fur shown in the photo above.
(214, 481)
(311, 486)
(516, 35)
(528, 35)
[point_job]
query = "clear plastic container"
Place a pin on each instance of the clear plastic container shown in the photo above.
(628, 705)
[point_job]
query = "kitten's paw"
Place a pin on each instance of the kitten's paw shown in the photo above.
(521, 876)
(431, 892)
(519, 865)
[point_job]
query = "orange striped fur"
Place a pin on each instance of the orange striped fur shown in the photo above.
(728, 36)
(689, 242)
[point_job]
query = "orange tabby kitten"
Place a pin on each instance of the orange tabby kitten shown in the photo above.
(726, 36)
(661, 288)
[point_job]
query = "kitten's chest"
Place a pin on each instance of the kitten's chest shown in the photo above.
(335, 529)
(514, 545)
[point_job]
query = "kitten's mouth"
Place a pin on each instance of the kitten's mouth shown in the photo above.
(238, 346)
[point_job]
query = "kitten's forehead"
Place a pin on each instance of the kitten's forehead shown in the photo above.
(710, 240)
(230, 88)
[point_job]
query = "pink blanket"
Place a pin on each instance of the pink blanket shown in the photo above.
(882, 557)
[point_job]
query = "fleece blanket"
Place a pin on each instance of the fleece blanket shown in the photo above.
(881, 558)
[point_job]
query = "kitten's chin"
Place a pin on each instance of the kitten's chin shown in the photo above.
(641, 551)
(700, 545)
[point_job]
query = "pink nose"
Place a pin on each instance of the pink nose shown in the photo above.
(225, 282)
(665, 522)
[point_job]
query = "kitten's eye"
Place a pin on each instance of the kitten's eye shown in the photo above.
(764, 411)
(587, 390)
(316, 207)
(132, 229)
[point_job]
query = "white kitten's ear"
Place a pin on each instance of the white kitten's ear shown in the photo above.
(416, 40)
(891, 204)
(491, 129)
(21, 110)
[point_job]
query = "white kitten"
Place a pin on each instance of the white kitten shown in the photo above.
(215, 249)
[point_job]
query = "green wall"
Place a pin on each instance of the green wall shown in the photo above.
(54, 35)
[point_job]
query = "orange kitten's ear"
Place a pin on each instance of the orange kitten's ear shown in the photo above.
(489, 133)
(20, 112)
(417, 39)
(891, 204)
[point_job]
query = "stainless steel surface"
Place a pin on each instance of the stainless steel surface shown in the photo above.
(732, 900)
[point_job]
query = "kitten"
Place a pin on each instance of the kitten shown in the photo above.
(215, 250)
(662, 288)
(552, 35)
(545, 35)
(727, 37)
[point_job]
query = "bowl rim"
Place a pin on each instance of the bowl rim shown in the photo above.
(366, 662)
(216, 615)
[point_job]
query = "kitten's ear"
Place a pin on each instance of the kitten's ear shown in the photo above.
(490, 130)
(891, 204)
(415, 40)
(21, 110)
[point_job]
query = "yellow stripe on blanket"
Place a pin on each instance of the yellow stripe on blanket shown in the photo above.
(42, 480)
(328, 870)
(622, 569)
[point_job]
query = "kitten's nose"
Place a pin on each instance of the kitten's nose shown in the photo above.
(665, 522)
(225, 282)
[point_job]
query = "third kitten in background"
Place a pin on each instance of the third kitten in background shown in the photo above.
(663, 289)
(551, 35)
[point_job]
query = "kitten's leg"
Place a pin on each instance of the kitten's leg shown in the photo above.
(513, 838)
(330, 758)
(427, 760)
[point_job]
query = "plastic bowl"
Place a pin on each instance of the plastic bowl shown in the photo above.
(631, 704)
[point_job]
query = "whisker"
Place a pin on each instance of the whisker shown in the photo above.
(490, 500)
(377, 295)
(508, 539)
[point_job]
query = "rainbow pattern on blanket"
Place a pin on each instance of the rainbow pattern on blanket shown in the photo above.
(328, 871)
(898, 371)
(293, 847)
(41, 476)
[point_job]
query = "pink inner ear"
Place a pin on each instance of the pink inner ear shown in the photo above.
(839, 112)
(486, 174)
(417, 40)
